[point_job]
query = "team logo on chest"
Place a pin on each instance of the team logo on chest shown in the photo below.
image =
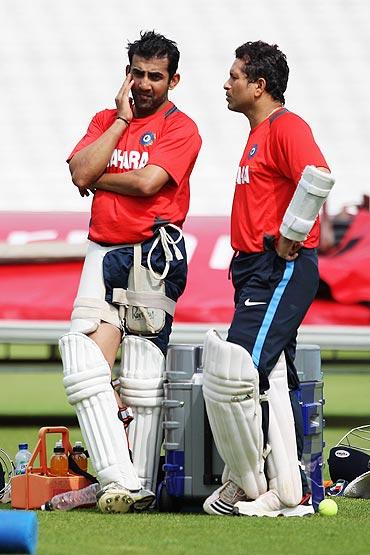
(147, 139)
(252, 151)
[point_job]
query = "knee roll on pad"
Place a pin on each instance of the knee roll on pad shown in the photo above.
(87, 379)
(141, 377)
(282, 462)
(231, 394)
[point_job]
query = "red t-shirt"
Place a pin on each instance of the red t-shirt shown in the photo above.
(168, 139)
(277, 152)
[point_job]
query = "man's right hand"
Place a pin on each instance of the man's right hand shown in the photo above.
(123, 100)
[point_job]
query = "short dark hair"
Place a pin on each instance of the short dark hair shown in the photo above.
(267, 61)
(154, 45)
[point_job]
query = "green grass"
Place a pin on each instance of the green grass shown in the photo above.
(42, 392)
(87, 532)
(32, 351)
(30, 393)
(347, 394)
(25, 352)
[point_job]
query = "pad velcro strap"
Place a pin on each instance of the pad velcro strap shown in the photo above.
(147, 299)
(126, 415)
(116, 384)
(297, 224)
(87, 308)
(313, 189)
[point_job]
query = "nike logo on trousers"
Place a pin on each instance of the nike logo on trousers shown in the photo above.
(248, 302)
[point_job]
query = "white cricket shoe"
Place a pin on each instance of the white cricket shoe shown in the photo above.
(115, 498)
(269, 504)
(222, 501)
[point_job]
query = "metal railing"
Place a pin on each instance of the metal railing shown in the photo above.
(349, 338)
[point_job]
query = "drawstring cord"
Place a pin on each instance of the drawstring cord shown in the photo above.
(166, 240)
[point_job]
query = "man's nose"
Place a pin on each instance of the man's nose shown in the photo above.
(144, 82)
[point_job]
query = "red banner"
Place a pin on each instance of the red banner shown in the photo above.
(45, 290)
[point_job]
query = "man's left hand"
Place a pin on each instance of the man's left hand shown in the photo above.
(288, 249)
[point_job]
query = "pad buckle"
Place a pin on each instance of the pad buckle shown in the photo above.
(126, 415)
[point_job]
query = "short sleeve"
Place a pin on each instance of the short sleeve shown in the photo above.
(99, 123)
(293, 146)
(178, 148)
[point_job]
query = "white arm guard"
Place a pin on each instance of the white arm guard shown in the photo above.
(311, 192)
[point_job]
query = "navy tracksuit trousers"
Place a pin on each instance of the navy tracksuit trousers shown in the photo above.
(271, 299)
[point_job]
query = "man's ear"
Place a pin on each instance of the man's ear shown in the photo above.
(174, 81)
(128, 69)
(260, 86)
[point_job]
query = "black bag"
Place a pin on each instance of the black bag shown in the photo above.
(347, 463)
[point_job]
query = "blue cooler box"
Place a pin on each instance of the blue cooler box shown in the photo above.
(192, 466)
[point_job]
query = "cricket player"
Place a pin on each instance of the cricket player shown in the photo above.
(137, 160)
(250, 379)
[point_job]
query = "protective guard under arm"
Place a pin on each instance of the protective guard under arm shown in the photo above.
(311, 192)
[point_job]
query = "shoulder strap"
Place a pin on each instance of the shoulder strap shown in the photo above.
(171, 111)
(276, 115)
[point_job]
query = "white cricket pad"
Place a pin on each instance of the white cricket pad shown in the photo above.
(141, 380)
(231, 394)
(87, 380)
(282, 461)
(312, 190)
(90, 306)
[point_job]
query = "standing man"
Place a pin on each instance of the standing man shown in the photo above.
(250, 379)
(136, 160)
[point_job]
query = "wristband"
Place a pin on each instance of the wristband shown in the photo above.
(123, 119)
